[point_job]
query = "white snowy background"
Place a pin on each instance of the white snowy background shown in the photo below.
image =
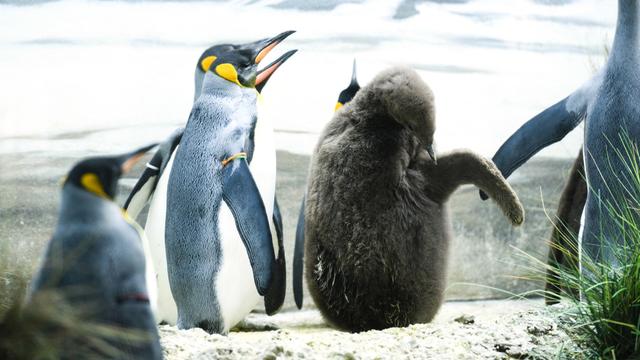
(127, 66)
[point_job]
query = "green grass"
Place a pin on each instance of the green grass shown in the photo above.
(605, 316)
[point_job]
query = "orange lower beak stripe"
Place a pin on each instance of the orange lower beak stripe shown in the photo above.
(265, 51)
(264, 75)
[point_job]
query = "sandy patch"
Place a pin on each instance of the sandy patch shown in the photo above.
(500, 329)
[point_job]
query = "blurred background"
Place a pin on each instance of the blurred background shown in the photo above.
(86, 77)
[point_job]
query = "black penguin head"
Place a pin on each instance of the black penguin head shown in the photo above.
(347, 94)
(99, 175)
(401, 94)
(239, 63)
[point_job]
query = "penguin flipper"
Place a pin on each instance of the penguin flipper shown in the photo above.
(298, 258)
(465, 167)
(241, 194)
(274, 297)
(146, 185)
(542, 130)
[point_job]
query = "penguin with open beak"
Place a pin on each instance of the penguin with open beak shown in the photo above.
(95, 258)
(210, 214)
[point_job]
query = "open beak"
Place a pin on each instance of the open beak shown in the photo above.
(128, 160)
(262, 47)
(265, 74)
(432, 153)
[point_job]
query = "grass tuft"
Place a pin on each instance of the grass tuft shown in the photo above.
(604, 294)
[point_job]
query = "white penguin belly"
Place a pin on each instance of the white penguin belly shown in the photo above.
(167, 310)
(235, 288)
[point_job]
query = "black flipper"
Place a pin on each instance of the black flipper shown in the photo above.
(298, 258)
(274, 298)
(146, 185)
(541, 131)
(144, 188)
(240, 193)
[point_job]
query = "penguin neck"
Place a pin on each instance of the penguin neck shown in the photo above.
(78, 205)
(626, 41)
(214, 85)
(223, 109)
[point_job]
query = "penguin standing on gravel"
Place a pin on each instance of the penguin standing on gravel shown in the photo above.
(608, 103)
(376, 226)
(95, 258)
(208, 223)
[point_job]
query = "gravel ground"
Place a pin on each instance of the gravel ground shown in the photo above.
(499, 329)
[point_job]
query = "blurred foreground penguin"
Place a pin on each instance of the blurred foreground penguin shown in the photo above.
(609, 105)
(95, 258)
(376, 225)
(208, 222)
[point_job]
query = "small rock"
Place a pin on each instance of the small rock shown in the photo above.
(539, 330)
(465, 319)
(501, 347)
(517, 353)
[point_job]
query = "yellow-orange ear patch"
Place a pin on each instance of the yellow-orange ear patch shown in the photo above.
(205, 64)
(338, 106)
(227, 71)
(91, 182)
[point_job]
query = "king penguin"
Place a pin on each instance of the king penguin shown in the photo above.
(229, 235)
(345, 96)
(95, 258)
(376, 227)
(608, 103)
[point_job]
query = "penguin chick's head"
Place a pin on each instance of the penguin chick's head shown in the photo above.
(350, 92)
(99, 175)
(239, 63)
(401, 94)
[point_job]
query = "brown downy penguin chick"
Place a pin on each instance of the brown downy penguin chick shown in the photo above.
(563, 245)
(376, 224)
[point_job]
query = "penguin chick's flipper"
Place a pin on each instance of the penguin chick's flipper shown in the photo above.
(240, 193)
(146, 185)
(563, 245)
(544, 129)
(298, 258)
(464, 167)
(274, 298)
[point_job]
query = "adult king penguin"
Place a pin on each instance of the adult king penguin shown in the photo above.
(95, 258)
(344, 98)
(609, 105)
(229, 246)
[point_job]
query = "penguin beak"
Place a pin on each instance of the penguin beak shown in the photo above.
(432, 153)
(261, 48)
(265, 74)
(128, 160)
